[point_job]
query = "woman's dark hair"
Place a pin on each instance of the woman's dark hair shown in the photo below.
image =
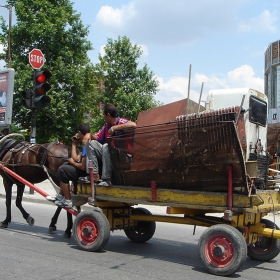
(84, 128)
(112, 110)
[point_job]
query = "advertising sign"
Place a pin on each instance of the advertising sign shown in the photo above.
(6, 96)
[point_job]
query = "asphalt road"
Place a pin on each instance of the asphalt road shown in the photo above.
(32, 253)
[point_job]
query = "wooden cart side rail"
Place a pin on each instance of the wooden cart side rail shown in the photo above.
(263, 201)
(172, 197)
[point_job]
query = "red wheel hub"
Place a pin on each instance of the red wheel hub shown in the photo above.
(87, 231)
(219, 250)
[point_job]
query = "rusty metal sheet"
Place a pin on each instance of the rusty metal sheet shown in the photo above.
(167, 112)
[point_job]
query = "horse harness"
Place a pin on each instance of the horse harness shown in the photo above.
(26, 146)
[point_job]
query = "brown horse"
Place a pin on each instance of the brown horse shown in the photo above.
(28, 161)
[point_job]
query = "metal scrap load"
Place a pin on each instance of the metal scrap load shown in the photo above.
(190, 153)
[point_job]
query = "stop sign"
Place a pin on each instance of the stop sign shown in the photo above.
(36, 58)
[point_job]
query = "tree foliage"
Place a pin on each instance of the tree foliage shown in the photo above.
(56, 29)
(77, 86)
(124, 84)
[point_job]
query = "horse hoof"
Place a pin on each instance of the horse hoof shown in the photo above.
(52, 229)
(30, 220)
(4, 225)
(67, 234)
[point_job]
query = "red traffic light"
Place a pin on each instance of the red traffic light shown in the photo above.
(40, 99)
(41, 78)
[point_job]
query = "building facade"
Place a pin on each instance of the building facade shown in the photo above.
(272, 81)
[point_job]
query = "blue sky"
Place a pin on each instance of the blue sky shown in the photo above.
(224, 41)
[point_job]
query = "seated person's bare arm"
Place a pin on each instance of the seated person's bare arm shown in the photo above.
(117, 127)
(74, 155)
(88, 137)
(80, 165)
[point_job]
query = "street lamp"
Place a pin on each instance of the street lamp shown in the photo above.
(9, 37)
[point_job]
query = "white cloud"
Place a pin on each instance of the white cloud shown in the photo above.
(173, 23)
(265, 22)
(114, 18)
(244, 76)
(176, 88)
(109, 16)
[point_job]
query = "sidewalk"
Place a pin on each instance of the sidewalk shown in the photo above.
(46, 186)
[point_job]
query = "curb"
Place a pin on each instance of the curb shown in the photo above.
(30, 199)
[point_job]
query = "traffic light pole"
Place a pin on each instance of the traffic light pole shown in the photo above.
(33, 134)
(33, 113)
(33, 127)
(33, 119)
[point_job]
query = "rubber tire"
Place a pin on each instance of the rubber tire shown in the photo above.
(270, 247)
(98, 224)
(142, 231)
(231, 240)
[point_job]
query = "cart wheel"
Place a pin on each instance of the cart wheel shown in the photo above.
(222, 249)
(266, 248)
(91, 230)
(141, 231)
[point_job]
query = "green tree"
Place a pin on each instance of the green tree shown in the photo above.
(126, 85)
(56, 29)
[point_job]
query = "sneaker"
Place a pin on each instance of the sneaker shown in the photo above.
(106, 183)
(57, 202)
(55, 197)
(97, 181)
(84, 179)
(65, 204)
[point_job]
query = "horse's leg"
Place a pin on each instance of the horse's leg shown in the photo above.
(8, 184)
(26, 216)
(67, 232)
(52, 226)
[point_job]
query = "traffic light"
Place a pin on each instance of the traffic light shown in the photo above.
(41, 100)
(26, 102)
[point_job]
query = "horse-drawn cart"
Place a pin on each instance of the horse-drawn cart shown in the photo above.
(203, 171)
